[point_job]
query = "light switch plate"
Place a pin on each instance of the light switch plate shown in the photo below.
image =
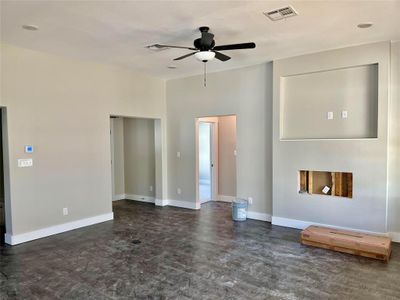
(25, 162)
(178, 154)
(344, 114)
(329, 115)
(178, 191)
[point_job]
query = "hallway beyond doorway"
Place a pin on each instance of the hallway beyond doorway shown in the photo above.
(216, 158)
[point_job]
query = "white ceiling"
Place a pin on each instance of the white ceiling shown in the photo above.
(117, 32)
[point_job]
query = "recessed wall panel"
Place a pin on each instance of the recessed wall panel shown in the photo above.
(331, 104)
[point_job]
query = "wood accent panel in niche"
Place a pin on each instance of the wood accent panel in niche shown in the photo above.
(338, 184)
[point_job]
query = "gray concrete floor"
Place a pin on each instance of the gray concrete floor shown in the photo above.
(187, 254)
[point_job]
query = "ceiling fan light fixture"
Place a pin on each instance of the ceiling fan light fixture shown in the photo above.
(205, 56)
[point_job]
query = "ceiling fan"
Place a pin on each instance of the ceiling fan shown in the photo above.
(205, 49)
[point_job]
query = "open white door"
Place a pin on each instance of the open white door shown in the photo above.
(207, 159)
(205, 162)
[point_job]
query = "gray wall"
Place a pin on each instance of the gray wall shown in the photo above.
(226, 156)
(139, 159)
(365, 158)
(118, 156)
(246, 93)
(307, 98)
(394, 142)
(62, 107)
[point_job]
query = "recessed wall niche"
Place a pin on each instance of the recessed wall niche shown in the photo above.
(330, 104)
(326, 183)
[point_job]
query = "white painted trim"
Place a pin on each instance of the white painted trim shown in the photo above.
(140, 198)
(292, 223)
(225, 198)
(259, 216)
(112, 156)
(164, 202)
(161, 202)
(119, 197)
(184, 204)
(48, 231)
(395, 236)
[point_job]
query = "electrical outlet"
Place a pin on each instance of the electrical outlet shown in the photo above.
(65, 211)
(250, 200)
(344, 114)
(178, 191)
(329, 115)
(178, 154)
(151, 188)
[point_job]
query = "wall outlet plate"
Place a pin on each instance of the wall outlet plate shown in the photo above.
(344, 114)
(250, 200)
(151, 188)
(178, 154)
(178, 191)
(329, 115)
(65, 211)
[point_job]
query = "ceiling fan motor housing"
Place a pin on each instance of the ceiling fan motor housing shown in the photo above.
(203, 47)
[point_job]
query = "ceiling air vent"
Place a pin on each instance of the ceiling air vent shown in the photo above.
(281, 13)
(156, 48)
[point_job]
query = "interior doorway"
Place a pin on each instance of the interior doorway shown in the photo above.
(215, 158)
(135, 159)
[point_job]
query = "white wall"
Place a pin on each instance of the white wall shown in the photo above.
(62, 108)
(246, 93)
(365, 158)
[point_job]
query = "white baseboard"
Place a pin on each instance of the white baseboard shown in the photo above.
(119, 197)
(395, 236)
(292, 223)
(161, 202)
(259, 216)
(140, 198)
(45, 232)
(184, 204)
(225, 198)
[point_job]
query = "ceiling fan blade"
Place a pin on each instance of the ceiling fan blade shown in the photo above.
(169, 46)
(207, 38)
(184, 56)
(221, 57)
(235, 46)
